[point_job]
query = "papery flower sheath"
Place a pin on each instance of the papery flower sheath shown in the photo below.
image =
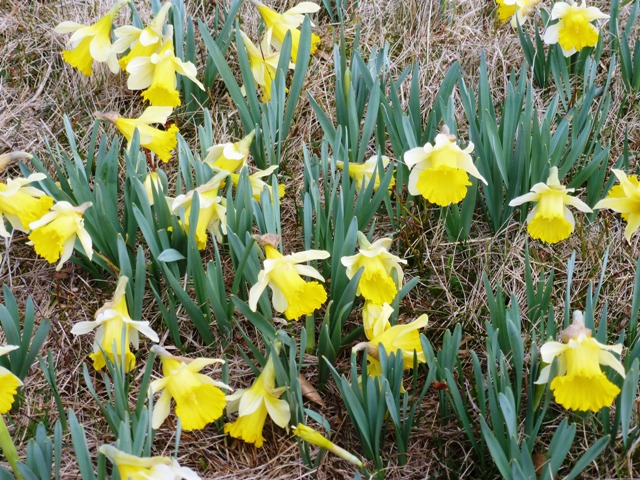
(550, 220)
(573, 30)
(361, 173)
(131, 467)
(198, 398)
(54, 234)
(22, 204)
(113, 325)
(624, 198)
(9, 383)
(580, 384)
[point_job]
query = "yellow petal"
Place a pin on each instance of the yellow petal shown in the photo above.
(9, 384)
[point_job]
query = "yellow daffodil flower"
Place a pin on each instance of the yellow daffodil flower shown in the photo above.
(361, 173)
(258, 185)
(111, 321)
(574, 30)
(263, 62)
(91, 42)
(54, 234)
(212, 216)
(516, 10)
(151, 181)
(314, 437)
(291, 294)
(161, 142)
(229, 156)
(624, 198)
(22, 204)
(199, 400)
(440, 172)
(157, 74)
(376, 283)
(254, 403)
(9, 383)
(289, 21)
(550, 220)
(580, 383)
(142, 42)
(131, 467)
(375, 318)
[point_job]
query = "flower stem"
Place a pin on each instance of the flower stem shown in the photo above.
(310, 327)
(9, 449)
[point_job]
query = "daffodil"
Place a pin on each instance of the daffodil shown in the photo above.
(92, 42)
(376, 283)
(440, 172)
(161, 142)
(361, 173)
(212, 216)
(516, 10)
(157, 74)
(21, 203)
(375, 318)
(263, 62)
(254, 403)
(289, 21)
(574, 30)
(113, 325)
(550, 220)
(152, 181)
(230, 156)
(9, 383)
(291, 294)
(198, 398)
(54, 234)
(131, 467)
(624, 198)
(580, 384)
(314, 437)
(258, 185)
(402, 338)
(142, 42)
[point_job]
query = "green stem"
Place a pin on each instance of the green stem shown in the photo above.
(9, 449)
(310, 327)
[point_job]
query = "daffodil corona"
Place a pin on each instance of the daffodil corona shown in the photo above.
(440, 172)
(574, 30)
(624, 198)
(113, 325)
(54, 234)
(198, 398)
(516, 10)
(580, 384)
(9, 383)
(131, 467)
(376, 284)
(254, 403)
(22, 204)
(361, 173)
(291, 294)
(550, 220)
(92, 42)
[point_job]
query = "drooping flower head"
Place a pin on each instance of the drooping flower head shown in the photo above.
(289, 21)
(22, 204)
(258, 185)
(290, 293)
(440, 172)
(375, 318)
(376, 283)
(624, 198)
(113, 325)
(263, 62)
(152, 181)
(198, 398)
(314, 437)
(161, 142)
(230, 156)
(142, 42)
(131, 467)
(254, 403)
(574, 30)
(54, 234)
(212, 216)
(361, 173)
(550, 220)
(92, 42)
(156, 75)
(580, 384)
(9, 383)
(516, 10)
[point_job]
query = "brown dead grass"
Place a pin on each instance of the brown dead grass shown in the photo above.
(37, 89)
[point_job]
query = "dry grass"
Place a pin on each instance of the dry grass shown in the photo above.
(37, 89)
